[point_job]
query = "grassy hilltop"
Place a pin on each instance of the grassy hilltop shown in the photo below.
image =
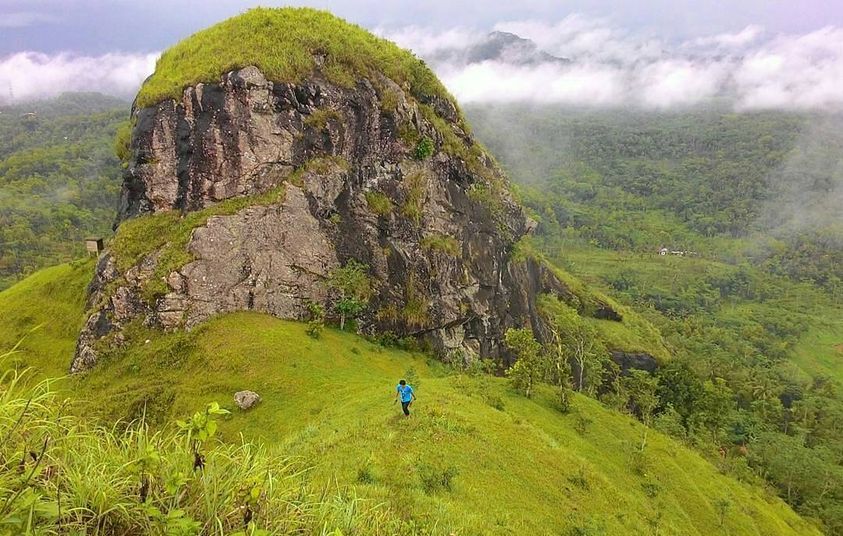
(285, 44)
(475, 458)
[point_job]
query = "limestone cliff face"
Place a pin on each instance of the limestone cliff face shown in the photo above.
(436, 228)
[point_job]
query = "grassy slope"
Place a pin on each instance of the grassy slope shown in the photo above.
(44, 314)
(820, 352)
(523, 469)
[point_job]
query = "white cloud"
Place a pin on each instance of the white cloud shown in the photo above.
(616, 68)
(670, 83)
(610, 67)
(804, 71)
(732, 40)
(492, 81)
(33, 75)
(428, 43)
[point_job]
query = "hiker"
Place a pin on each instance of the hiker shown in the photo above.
(407, 395)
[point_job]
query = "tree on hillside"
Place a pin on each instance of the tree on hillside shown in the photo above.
(528, 369)
(353, 288)
(641, 390)
(559, 373)
(580, 343)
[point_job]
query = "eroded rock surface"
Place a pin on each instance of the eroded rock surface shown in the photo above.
(355, 187)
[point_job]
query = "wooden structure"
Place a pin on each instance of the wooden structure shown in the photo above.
(94, 245)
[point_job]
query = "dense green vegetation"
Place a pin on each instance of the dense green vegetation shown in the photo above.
(750, 308)
(286, 45)
(59, 179)
(475, 457)
(762, 187)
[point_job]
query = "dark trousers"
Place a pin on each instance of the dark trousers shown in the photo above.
(406, 407)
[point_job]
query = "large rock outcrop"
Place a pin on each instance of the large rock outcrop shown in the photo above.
(368, 173)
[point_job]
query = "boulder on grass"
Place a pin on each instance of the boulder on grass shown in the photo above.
(246, 399)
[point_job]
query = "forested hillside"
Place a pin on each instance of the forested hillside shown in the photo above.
(761, 187)
(749, 293)
(59, 179)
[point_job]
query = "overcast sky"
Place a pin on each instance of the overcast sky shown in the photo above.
(658, 53)
(100, 26)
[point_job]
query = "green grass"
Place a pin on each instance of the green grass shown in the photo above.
(441, 242)
(379, 203)
(820, 351)
(285, 43)
(475, 458)
(44, 313)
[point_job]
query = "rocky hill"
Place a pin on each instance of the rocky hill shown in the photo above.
(250, 187)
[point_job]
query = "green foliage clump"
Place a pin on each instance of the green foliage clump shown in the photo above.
(416, 189)
(424, 149)
(433, 479)
(353, 288)
(575, 340)
(287, 44)
(389, 100)
(442, 243)
(316, 322)
(122, 139)
(379, 203)
(528, 367)
(319, 118)
(416, 309)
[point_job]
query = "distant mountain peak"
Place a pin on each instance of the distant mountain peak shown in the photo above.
(504, 47)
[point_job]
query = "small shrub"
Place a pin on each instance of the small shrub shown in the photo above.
(722, 506)
(412, 378)
(638, 461)
(580, 479)
(365, 475)
(586, 527)
(353, 288)
(316, 321)
(319, 118)
(434, 480)
(651, 489)
(496, 402)
(416, 305)
(122, 141)
(390, 100)
(582, 423)
(441, 243)
(424, 148)
(387, 339)
(416, 186)
(379, 203)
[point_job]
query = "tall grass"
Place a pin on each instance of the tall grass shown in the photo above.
(60, 475)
